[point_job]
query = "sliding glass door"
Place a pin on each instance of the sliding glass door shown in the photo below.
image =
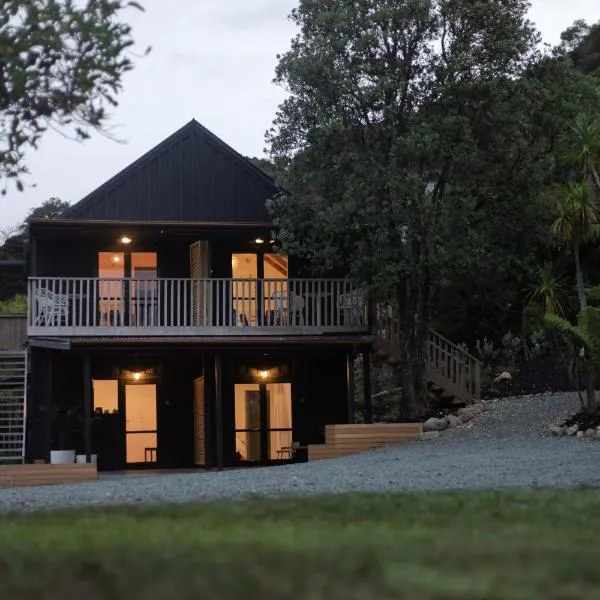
(263, 422)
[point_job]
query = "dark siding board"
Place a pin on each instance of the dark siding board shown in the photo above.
(190, 176)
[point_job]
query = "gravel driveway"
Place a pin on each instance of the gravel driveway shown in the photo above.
(506, 447)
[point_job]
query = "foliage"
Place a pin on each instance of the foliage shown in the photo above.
(416, 135)
(579, 345)
(582, 43)
(538, 545)
(13, 282)
(17, 305)
(549, 291)
(62, 65)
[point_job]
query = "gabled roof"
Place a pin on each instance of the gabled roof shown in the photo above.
(191, 176)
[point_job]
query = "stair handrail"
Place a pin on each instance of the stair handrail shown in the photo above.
(446, 361)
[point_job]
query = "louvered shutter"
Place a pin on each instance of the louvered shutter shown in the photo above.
(199, 417)
(200, 286)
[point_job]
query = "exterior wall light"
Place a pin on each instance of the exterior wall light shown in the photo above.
(263, 374)
(137, 375)
(125, 239)
(259, 240)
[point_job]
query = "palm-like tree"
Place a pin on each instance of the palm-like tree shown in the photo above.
(548, 291)
(577, 219)
(583, 149)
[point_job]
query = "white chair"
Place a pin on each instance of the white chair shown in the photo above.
(288, 307)
(51, 307)
(351, 305)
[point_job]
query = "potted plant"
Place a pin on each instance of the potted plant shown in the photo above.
(81, 456)
(64, 452)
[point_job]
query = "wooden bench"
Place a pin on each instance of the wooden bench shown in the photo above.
(43, 474)
(343, 440)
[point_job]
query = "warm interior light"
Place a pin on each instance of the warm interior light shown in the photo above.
(137, 376)
(264, 374)
(115, 259)
(125, 239)
(259, 240)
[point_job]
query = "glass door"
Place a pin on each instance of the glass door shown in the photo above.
(140, 423)
(248, 429)
(279, 420)
(263, 422)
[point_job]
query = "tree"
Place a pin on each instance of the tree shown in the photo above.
(61, 64)
(577, 219)
(403, 129)
(12, 283)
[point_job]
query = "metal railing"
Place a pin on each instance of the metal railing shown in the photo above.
(182, 306)
(13, 372)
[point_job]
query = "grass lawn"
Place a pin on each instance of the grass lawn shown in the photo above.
(420, 546)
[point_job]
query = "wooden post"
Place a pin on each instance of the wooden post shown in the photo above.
(87, 408)
(219, 409)
(350, 385)
(47, 391)
(368, 406)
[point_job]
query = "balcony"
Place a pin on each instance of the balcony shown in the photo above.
(63, 306)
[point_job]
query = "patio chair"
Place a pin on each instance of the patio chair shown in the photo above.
(351, 305)
(51, 307)
(289, 307)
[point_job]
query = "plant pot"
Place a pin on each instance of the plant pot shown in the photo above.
(82, 459)
(62, 457)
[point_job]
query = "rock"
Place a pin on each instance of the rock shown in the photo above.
(453, 421)
(590, 433)
(464, 414)
(476, 409)
(572, 430)
(557, 430)
(434, 424)
(429, 435)
(580, 433)
(503, 377)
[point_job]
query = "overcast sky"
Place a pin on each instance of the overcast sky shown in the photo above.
(212, 60)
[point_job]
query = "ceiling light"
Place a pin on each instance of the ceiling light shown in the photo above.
(116, 259)
(125, 239)
(137, 376)
(259, 240)
(264, 374)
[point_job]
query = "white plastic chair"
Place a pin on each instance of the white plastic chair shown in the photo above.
(352, 306)
(288, 307)
(51, 307)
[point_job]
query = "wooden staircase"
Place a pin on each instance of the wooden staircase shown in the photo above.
(343, 440)
(449, 367)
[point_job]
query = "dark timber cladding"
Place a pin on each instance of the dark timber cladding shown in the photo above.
(190, 176)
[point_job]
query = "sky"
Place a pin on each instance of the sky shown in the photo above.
(212, 60)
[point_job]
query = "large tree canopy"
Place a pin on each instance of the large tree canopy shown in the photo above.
(412, 131)
(61, 65)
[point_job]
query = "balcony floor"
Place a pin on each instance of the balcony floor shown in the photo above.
(157, 332)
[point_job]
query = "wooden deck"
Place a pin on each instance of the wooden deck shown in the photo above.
(43, 474)
(343, 440)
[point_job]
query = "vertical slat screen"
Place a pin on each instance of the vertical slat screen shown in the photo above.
(199, 423)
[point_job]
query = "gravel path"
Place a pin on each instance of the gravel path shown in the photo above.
(506, 447)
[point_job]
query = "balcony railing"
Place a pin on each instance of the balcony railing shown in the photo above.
(95, 306)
